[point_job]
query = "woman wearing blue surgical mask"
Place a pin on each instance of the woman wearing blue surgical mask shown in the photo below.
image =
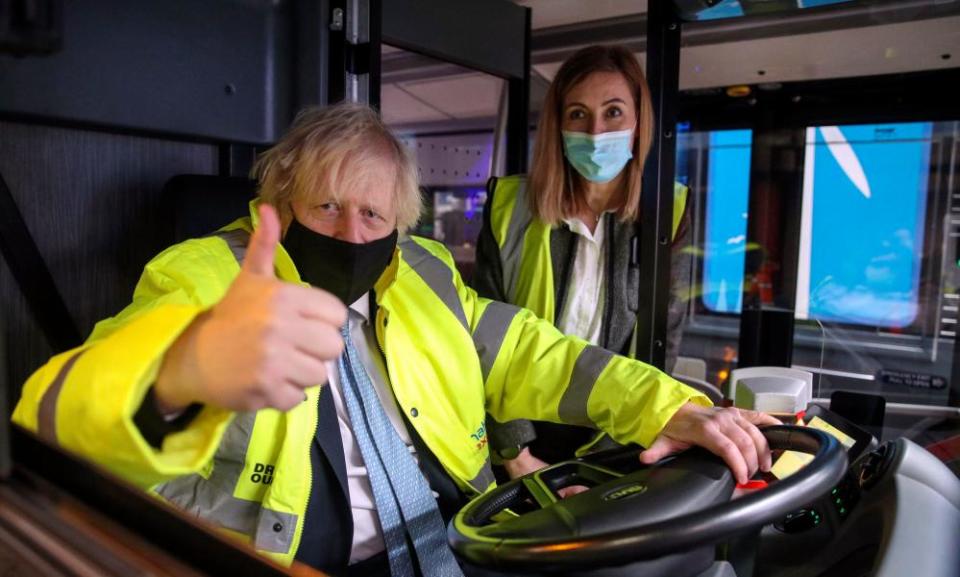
(558, 241)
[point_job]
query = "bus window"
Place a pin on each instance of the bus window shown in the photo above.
(446, 115)
(725, 240)
(878, 172)
(715, 165)
(881, 312)
(875, 288)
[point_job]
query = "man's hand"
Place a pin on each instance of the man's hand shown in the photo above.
(524, 464)
(527, 463)
(261, 345)
(729, 433)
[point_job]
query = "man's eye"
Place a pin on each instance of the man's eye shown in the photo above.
(328, 207)
(371, 214)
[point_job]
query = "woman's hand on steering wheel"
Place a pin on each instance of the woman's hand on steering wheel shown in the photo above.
(730, 433)
(527, 463)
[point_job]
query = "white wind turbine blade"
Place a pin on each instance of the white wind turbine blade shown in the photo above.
(846, 157)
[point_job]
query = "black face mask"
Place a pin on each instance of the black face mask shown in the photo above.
(346, 269)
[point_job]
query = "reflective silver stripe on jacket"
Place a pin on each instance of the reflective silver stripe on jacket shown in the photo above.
(512, 250)
(573, 405)
(490, 332)
(484, 478)
(237, 240)
(47, 414)
(437, 275)
(212, 498)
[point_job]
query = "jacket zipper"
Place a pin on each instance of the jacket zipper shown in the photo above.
(607, 306)
(313, 439)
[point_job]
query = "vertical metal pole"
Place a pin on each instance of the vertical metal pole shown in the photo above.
(374, 34)
(953, 394)
(656, 210)
(518, 111)
(361, 27)
(336, 52)
(498, 160)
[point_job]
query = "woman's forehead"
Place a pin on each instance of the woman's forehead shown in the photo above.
(599, 86)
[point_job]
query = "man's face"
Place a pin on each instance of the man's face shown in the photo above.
(365, 211)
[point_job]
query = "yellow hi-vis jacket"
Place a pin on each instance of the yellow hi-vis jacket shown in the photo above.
(524, 243)
(451, 357)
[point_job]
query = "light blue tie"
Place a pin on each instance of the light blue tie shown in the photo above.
(405, 503)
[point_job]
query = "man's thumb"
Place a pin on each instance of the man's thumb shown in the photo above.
(660, 448)
(263, 243)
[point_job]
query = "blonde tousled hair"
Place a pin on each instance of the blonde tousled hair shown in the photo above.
(327, 149)
(553, 183)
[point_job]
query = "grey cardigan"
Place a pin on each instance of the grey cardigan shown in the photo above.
(620, 308)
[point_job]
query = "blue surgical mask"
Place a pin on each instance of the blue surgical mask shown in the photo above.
(598, 157)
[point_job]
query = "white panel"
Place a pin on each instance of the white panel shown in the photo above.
(452, 160)
(467, 96)
(401, 108)
(802, 301)
(548, 70)
(547, 13)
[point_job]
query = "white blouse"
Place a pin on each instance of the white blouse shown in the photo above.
(582, 312)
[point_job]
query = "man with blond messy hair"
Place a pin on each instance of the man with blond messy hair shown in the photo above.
(239, 387)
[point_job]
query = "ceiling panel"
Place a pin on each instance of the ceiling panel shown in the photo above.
(399, 107)
(465, 96)
(547, 13)
(879, 49)
(886, 49)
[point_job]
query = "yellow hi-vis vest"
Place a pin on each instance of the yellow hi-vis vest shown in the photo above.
(451, 357)
(524, 243)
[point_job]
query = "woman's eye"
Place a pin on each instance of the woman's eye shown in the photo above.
(371, 215)
(328, 208)
(614, 112)
(576, 115)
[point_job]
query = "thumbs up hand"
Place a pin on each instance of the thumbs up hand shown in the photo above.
(261, 345)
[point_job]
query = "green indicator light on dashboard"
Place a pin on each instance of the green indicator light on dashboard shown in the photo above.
(842, 511)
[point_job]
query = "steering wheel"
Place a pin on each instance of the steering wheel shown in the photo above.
(631, 511)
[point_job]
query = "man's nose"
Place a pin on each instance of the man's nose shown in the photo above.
(348, 228)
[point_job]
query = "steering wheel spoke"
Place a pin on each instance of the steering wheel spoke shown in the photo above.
(541, 492)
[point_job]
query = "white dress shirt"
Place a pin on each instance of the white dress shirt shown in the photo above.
(367, 535)
(582, 313)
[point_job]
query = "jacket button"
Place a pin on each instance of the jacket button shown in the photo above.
(277, 527)
(414, 412)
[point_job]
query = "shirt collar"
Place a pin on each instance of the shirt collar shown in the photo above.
(577, 226)
(361, 307)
